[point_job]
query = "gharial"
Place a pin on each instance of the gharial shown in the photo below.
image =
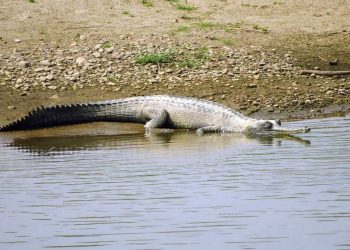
(159, 111)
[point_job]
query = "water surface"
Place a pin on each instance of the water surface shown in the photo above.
(109, 186)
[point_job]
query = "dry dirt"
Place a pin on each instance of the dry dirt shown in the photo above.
(314, 33)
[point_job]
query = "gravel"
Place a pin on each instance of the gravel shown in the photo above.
(80, 65)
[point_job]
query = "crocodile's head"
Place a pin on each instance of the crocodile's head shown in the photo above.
(272, 127)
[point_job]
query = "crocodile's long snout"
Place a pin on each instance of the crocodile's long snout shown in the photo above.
(287, 131)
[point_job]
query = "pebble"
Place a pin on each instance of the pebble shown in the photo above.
(45, 62)
(342, 92)
(252, 85)
(97, 54)
(80, 65)
(17, 40)
(23, 64)
(11, 107)
(80, 61)
(49, 77)
(38, 69)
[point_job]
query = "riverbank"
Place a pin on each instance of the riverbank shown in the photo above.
(251, 67)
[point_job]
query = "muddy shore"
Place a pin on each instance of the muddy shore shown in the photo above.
(253, 69)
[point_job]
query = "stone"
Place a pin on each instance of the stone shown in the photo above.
(342, 92)
(45, 62)
(17, 40)
(38, 69)
(23, 64)
(97, 54)
(80, 61)
(50, 77)
(11, 107)
(252, 85)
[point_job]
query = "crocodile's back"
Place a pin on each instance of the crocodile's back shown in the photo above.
(186, 112)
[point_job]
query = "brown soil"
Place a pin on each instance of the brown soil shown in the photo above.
(314, 33)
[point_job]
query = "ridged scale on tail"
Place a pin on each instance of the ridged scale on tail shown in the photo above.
(71, 114)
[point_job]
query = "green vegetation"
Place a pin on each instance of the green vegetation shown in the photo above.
(233, 26)
(156, 58)
(185, 7)
(187, 58)
(228, 41)
(202, 25)
(195, 58)
(261, 28)
(201, 53)
(106, 45)
(189, 63)
(31, 1)
(249, 5)
(146, 3)
(183, 28)
(125, 12)
(112, 78)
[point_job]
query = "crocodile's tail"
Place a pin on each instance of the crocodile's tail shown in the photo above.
(71, 114)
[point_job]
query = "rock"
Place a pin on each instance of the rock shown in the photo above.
(45, 62)
(17, 40)
(334, 62)
(342, 92)
(80, 61)
(252, 85)
(50, 77)
(17, 86)
(11, 107)
(38, 69)
(96, 54)
(23, 64)
(109, 50)
(52, 87)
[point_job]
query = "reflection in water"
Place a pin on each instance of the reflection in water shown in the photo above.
(110, 186)
(108, 135)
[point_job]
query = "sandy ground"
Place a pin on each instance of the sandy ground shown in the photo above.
(315, 33)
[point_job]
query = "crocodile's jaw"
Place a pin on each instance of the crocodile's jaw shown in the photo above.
(287, 131)
(276, 129)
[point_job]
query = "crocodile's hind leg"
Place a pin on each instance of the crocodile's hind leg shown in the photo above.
(157, 117)
(208, 129)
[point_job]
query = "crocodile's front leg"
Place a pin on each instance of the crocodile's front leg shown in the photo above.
(156, 117)
(208, 129)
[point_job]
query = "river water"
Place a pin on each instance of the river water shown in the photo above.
(109, 186)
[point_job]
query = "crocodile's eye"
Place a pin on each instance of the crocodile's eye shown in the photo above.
(267, 125)
(278, 122)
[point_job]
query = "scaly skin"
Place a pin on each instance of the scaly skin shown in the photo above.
(155, 112)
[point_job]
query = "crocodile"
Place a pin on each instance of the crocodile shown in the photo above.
(159, 111)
